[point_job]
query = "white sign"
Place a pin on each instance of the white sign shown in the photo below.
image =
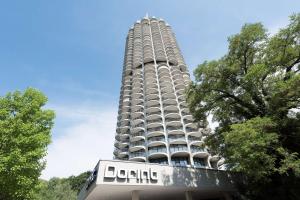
(140, 175)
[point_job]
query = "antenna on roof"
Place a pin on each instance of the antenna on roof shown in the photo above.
(147, 16)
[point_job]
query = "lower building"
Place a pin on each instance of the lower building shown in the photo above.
(126, 180)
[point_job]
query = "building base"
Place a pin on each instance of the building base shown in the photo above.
(125, 180)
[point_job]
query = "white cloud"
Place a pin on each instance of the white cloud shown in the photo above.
(87, 136)
(275, 27)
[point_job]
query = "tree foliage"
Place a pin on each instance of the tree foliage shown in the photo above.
(61, 188)
(24, 135)
(55, 189)
(254, 93)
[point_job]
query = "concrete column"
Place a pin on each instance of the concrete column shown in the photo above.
(188, 195)
(135, 195)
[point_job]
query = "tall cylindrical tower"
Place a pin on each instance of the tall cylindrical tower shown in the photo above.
(154, 122)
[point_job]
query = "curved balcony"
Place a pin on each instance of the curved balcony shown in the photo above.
(166, 82)
(138, 107)
(178, 77)
(181, 98)
(168, 96)
(214, 158)
(180, 92)
(150, 79)
(156, 140)
(137, 96)
(123, 122)
(168, 112)
(180, 86)
(152, 91)
(195, 140)
(181, 161)
(154, 116)
(162, 66)
(149, 68)
(173, 116)
(125, 109)
(177, 139)
(122, 144)
(153, 110)
(137, 128)
(151, 132)
(179, 150)
(137, 75)
(124, 136)
(183, 105)
(126, 92)
(199, 151)
(137, 101)
(173, 122)
(168, 101)
(162, 160)
(137, 156)
(157, 151)
(137, 80)
(153, 103)
(188, 121)
(164, 79)
(137, 84)
(167, 90)
(192, 131)
(137, 114)
(137, 145)
(152, 97)
(136, 121)
(123, 129)
(175, 72)
(137, 90)
(200, 162)
(152, 84)
(173, 130)
(164, 72)
(154, 122)
(126, 103)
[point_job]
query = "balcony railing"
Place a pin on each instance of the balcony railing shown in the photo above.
(177, 148)
(172, 119)
(171, 111)
(189, 129)
(154, 121)
(137, 154)
(139, 143)
(157, 150)
(139, 125)
(197, 149)
(140, 133)
(171, 139)
(154, 139)
(193, 139)
(150, 130)
(179, 128)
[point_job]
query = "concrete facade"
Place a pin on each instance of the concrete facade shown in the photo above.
(154, 122)
(125, 180)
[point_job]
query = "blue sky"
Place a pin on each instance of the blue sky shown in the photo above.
(73, 52)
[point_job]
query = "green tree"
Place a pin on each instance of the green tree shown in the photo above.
(24, 135)
(61, 188)
(254, 93)
(77, 182)
(55, 189)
